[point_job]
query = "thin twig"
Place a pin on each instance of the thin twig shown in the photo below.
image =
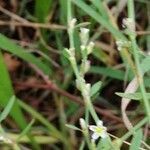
(13, 15)
(75, 99)
(33, 25)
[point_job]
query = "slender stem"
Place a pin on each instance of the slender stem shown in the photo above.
(91, 109)
(69, 18)
(74, 65)
(140, 79)
(136, 58)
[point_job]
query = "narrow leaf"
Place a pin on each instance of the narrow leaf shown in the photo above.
(26, 130)
(133, 96)
(145, 65)
(6, 92)
(7, 109)
(136, 141)
(72, 127)
(9, 46)
(95, 88)
(113, 73)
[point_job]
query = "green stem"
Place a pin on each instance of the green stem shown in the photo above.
(69, 18)
(91, 109)
(136, 58)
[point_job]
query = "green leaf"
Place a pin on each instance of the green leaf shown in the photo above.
(101, 8)
(133, 96)
(113, 73)
(136, 141)
(26, 130)
(9, 46)
(42, 9)
(104, 144)
(95, 88)
(6, 92)
(65, 53)
(145, 65)
(7, 109)
(101, 55)
(72, 127)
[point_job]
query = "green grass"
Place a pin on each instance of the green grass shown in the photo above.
(39, 111)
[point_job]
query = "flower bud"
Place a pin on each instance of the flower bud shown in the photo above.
(72, 23)
(84, 36)
(129, 24)
(90, 47)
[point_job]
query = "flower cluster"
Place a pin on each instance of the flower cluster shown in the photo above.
(129, 24)
(122, 44)
(98, 130)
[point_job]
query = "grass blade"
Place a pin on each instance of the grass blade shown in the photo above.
(95, 88)
(6, 92)
(42, 9)
(136, 141)
(113, 73)
(133, 96)
(105, 23)
(11, 47)
(53, 131)
(7, 109)
(26, 130)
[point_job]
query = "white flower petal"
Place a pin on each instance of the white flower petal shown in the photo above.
(95, 136)
(93, 128)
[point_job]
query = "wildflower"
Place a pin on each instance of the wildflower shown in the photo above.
(98, 131)
(129, 24)
(122, 44)
(84, 36)
(86, 90)
(85, 66)
(72, 23)
(90, 47)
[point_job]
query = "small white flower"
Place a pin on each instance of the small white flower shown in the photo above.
(84, 36)
(98, 131)
(129, 23)
(119, 44)
(90, 47)
(84, 30)
(85, 66)
(122, 44)
(72, 23)
(86, 90)
(82, 47)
